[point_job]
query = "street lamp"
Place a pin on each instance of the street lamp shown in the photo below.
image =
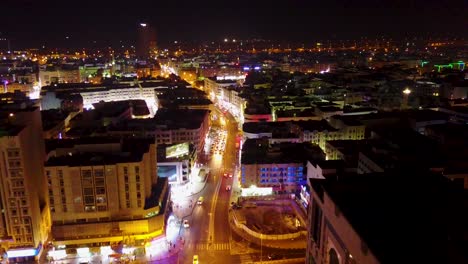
(406, 94)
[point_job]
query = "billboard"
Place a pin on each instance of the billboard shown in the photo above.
(177, 150)
(169, 172)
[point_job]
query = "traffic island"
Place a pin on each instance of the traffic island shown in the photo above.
(271, 224)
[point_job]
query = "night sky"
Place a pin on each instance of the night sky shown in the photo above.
(31, 23)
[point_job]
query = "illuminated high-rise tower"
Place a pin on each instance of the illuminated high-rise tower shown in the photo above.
(146, 44)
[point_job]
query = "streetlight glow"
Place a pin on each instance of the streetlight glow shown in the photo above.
(143, 24)
(407, 91)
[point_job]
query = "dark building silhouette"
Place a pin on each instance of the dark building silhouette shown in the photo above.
(146, 44)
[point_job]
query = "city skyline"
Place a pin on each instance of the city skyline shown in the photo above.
(230, 132)
(29, 24)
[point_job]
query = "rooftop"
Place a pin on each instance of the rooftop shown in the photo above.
(50, 118)
(259, 151)
(348, 120)
(265, 127)
(93, 159)
(424, 207)
(53, 144)
(314, 125)
(295, 113)
(180, 118)
(131, 150)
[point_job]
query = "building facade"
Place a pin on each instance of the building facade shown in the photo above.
(25, 218)
(102, 196)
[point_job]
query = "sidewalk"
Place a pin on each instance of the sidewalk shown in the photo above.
(183, 205)
(185, 196)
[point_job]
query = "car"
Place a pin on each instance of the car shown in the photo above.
(195, 259)
(228, 188)
(225, 174)
(186, 224)
(230, 175)
(200, 200)
(273, 256)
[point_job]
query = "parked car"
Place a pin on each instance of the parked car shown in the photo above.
(273, 256)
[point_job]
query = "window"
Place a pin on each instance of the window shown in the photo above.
(139, 203)
(25, 211)
(100, 190)
(102, 208)
(98, 173)
(86, 177)
(137, 178)
(316, 223)
(101, 200)
(13, 153)
(138, 195)
(137, 170)
(14, 163)
(89, 199)
(16, 173)
(100, 181)
(90, 208)
(88, 191)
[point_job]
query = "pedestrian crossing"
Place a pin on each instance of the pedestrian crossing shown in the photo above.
(212, 247)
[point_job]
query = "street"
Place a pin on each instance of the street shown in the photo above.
(209, 234)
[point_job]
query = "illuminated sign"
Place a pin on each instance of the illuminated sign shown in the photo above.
(22, 253)
(177, 150)
(230, 77)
